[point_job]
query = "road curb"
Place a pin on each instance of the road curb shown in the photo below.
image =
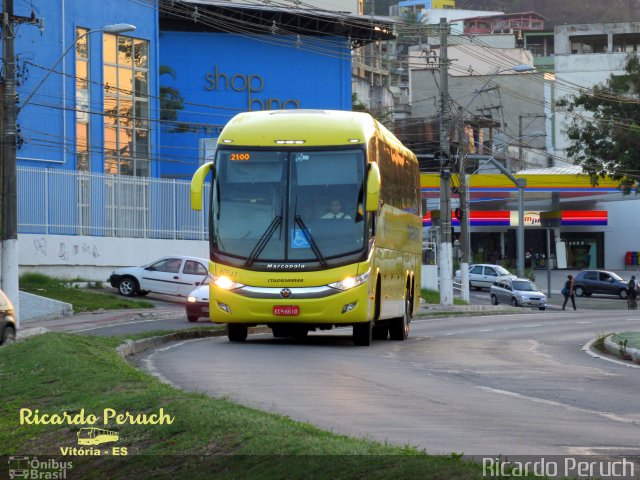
(625, 353)
(426, 309)
(133, 347)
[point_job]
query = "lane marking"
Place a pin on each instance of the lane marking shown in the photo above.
(151, 367)
(608, 415)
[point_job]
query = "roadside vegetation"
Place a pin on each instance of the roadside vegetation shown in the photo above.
(433, 297)
(208, 438)
(82, 299)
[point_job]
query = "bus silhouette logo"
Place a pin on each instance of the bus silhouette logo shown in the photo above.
(18, 467)
(285, 293)
(96, 436)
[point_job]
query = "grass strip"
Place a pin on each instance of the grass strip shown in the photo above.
(433, 297)
(83, 300)
(209, 438)
(632, 338)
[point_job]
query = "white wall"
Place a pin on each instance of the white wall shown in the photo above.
(623, 233)
(94, 258)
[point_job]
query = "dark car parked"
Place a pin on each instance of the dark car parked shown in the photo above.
(588, 282)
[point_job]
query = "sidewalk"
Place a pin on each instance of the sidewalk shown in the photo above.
(97, 319)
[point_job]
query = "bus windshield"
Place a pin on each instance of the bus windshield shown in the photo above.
(288, 205)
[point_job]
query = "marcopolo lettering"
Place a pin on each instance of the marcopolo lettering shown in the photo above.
(285, 266)
(252, 85)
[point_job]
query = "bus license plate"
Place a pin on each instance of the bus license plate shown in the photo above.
(286, 310)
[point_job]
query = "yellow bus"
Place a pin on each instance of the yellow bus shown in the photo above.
(314, 223)
(96, 436)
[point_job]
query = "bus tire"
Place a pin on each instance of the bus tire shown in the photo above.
(399, 327)
(363, 334)
(236, 332)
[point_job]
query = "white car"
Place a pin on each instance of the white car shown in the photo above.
(176, 275)
(483, 275)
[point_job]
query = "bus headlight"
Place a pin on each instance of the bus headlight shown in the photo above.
(350, 282)
(225, 282)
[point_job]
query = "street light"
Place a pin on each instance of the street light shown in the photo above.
(463, 195)
(9, 197)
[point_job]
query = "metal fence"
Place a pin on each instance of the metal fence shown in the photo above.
(78, 203)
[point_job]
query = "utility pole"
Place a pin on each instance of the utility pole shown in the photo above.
(521, 134)
(9, 211)
(8, 137)
(445, 260)
(466, 211)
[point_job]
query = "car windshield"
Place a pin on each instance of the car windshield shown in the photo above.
(524, 286)
(289, 205)
(502, 270)
(616, 277)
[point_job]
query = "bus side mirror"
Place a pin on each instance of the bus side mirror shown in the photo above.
(197, 185)
(373, 188)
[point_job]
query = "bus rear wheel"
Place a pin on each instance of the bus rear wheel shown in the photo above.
(236, 332)
(363, 334)
(399, 327)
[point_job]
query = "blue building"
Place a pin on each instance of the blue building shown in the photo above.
(100, 110)
(114, 121)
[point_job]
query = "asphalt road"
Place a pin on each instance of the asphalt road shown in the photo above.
(490, 385)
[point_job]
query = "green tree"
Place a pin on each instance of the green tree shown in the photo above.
(606, 141)
(171, 102)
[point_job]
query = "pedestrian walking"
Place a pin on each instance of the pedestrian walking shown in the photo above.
(567, 291)
(632, 293)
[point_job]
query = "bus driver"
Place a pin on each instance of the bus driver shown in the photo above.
(336, 211)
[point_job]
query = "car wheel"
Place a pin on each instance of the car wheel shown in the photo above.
(579, 291)
(8, 335)
(514, 302)
(363, 334)
(128, 286)
(236, 332)
(622, 293)
(494, 300)
(542, 308)
(192, 318)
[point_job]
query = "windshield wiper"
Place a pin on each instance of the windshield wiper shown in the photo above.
(264, 239)
(312, 242)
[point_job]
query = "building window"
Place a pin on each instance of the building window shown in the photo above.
(126, 105)
(589, 44)
(82, 100)
(626, 42)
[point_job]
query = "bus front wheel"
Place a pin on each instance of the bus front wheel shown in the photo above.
(236, 333)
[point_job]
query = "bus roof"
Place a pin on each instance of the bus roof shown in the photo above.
(310, 128)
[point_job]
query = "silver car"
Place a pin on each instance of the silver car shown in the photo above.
(519, 292)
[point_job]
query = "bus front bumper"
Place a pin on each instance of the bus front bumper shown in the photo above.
(339, 308)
